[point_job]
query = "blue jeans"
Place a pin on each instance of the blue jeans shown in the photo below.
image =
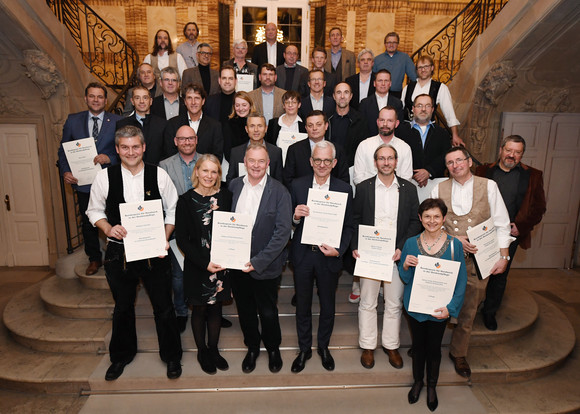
(177, 283)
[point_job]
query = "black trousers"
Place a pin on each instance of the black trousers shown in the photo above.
(123, 279)
(314, 266)
(90, 233)
(257, 297)
(496, 285)
(427, 337)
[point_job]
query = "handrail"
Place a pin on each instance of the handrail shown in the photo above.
(104, 51)
(450, 45)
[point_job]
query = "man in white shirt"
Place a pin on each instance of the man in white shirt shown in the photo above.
(471, 200)
(130, 182)
(373, 103)
(188, 49)
(363, 83)
(271, 51)
(163, 54)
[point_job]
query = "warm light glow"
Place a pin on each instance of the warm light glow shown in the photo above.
(261, 35)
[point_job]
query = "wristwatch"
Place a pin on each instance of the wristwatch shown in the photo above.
(505, 257)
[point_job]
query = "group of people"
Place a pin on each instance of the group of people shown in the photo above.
(177, 139)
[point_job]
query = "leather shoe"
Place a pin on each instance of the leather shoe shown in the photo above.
(249, 362)
(115, 370)
(173, 369)
(206, 362)
(93, 267)
(489, 321)
(327, 359)
(415, 391)
(226, 323)
(395, 358)
(432, 401)
(274, 361)
(218, 360)
(300, 361)
(367, 359)
(461, 366)
(181, 323)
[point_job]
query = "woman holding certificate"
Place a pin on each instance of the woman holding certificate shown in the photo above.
(427, 329)
(206, 284)
(235, 129)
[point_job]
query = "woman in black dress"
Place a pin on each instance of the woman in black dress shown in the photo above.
(206, 284)
(235, 129)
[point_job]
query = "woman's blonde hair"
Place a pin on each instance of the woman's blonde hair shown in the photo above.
(199, 162)
(246, 97)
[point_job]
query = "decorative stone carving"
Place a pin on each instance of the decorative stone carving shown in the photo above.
(12, 106)
(549, 100)
(41, 70)
(491, 89)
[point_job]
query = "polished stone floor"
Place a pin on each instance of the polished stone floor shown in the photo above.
(555, 392)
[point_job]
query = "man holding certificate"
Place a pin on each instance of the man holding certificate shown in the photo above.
(389, 202)
(255, 288)
(471, 201)
(99, 125)
(134, 182)
(321, 261)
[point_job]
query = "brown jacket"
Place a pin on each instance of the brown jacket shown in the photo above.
(533, 205)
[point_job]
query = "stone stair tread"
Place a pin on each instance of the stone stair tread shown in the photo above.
(97, 281)
(33, 326)
(147, 371)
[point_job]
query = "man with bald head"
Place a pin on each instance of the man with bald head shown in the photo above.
(270, 51)
(289, 73)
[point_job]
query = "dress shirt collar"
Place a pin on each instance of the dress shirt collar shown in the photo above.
(379, 183)
(261, 184)
(324, 186)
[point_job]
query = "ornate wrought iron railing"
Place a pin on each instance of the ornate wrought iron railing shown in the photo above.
(450, 45)
(106, 53)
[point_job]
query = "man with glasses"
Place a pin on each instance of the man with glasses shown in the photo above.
(319, 56)
(437, 90)
(397, 63)
(290, 73)
(428, 141)
(202, 73)
(316, 99)
(322, 263)
(169, 104)
(471, 200)
(298, 155)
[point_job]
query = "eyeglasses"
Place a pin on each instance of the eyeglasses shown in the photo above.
(319, 161)
(421, 106)
(169, 80)
(423, 67)
(383, 159)
(181, 139)
(205, 53)
(457, 161)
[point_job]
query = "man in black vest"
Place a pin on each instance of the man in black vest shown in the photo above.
(134, 181)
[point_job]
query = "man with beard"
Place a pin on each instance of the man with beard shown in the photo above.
(428, 141)
(522, 190)
(268, 97)
(146, 77)
(163, 54)
(202, 74)
(188, 49)
(346, 127)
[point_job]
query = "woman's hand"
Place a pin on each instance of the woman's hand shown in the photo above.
(213, 268)
(441, 313)
(410, 260)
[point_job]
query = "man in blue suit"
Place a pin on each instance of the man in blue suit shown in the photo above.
(100, 125)
(255, 288)
(322, 262)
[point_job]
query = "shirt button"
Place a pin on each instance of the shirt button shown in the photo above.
(469, 220)
(454, 221)
(456, 229)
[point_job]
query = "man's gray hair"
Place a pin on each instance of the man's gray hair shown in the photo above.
(129, 131)
(204, 45)
(323, 145)
(365, 51)
(239, 42)
(171, 71)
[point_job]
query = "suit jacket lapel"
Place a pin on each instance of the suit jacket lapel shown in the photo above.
(264, 199)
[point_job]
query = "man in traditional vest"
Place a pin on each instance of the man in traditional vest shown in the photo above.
(471, 200)
(163, 54)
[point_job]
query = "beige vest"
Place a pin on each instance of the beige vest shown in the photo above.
(172, 63)
(457, 225)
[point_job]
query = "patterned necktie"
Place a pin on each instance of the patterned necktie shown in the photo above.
(95, 127)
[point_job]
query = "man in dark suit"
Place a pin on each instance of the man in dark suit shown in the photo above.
(219, 105)
(146, 78)
(256, 128)
(342, 62)
(522, 189)
(363, 83)
(289, 73)
(319, 56)
(322, 262)
(316, 99)
(209, 131)
(385, 201)
(270, 51)
(298, 155)
(372, 104)
(169, 104)
(202, 74)
(428, 141)
(255, 288)
(100, 125)
(151, 125)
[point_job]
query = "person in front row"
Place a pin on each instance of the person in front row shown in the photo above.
(256, 287)
(386, 201)
(206, 284)
(130, 182)
(427, 329)
(322, 262)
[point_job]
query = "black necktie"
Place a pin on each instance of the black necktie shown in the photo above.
(95, 127)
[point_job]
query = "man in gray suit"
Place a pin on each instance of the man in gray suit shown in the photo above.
(180, 168)
(289, 74)
(255, 288)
